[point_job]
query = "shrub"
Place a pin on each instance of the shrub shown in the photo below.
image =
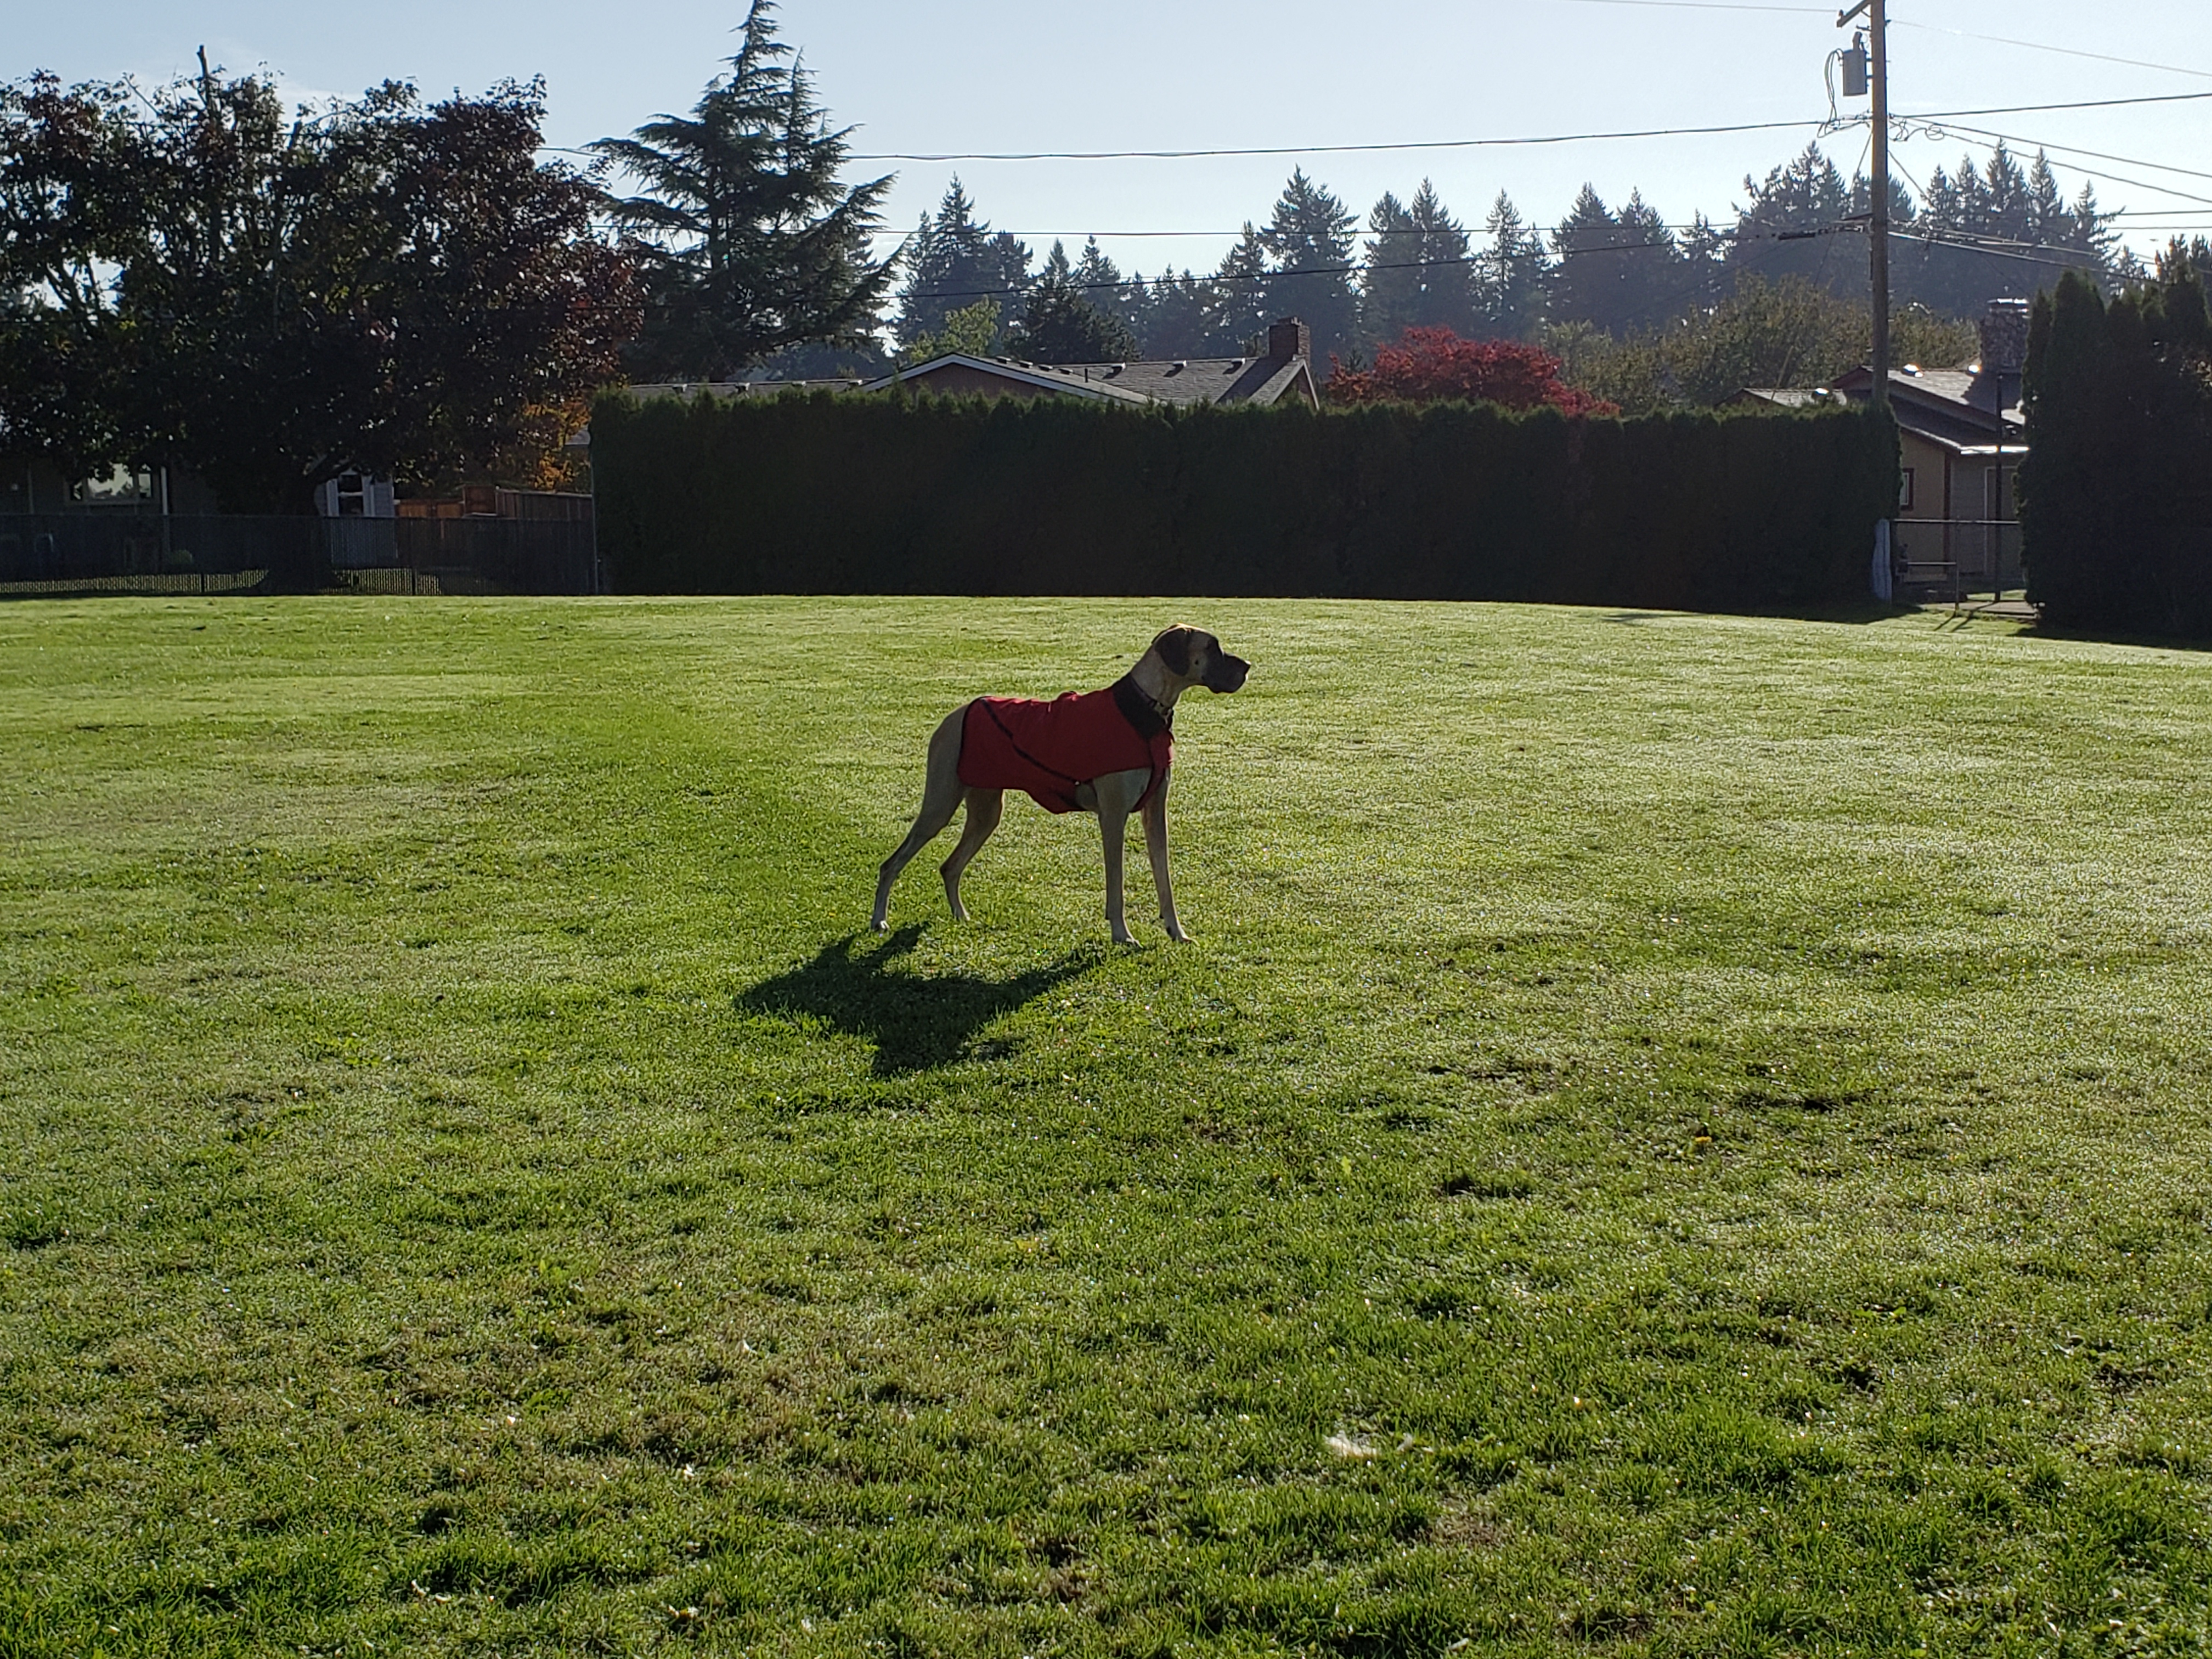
(862, 494)
(2115, 498)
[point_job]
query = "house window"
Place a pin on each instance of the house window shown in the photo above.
(353, 495)
(1904, 491)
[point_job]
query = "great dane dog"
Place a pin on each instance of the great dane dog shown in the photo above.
(1106, 752)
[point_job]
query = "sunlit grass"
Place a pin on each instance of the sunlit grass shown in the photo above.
(1676, 1135)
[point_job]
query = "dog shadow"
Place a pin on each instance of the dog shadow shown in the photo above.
(916, 1022)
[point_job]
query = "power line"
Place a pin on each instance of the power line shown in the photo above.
(1996, 249)
(1323, 149)
(2071, 149)
(1357, 267)
(1705, 5)
(1064, 235)
(1976, 136)
(1902, 24)
(2000, 39)
(1492, 144)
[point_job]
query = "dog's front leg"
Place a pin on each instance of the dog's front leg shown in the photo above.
(1156, 849)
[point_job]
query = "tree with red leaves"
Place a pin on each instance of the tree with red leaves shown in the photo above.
(1434, 366)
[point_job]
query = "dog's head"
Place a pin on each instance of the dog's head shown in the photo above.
(1195, 657)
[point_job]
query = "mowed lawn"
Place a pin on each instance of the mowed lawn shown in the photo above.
(1675, 1135)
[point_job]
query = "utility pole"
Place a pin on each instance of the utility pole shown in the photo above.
(1878, 190)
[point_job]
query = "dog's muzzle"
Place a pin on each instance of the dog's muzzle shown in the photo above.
(1226, 673)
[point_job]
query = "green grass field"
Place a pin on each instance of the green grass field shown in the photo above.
(1676, 1135)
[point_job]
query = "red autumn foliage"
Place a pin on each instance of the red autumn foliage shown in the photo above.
(1434, 366)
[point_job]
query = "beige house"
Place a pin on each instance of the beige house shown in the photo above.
(1286, 371)
(1961, 439)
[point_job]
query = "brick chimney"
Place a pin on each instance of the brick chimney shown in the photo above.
(1291, 338)
(2004, 337)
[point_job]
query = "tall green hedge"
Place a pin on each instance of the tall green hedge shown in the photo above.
(2116, 493)
(860, 494)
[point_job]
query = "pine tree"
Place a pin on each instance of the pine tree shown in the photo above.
(755, 243)
(1309, 244)
(952, 261)
(1236, 313)
(1448, 271)
(1807, 201)
(1651, 286)
(1512, 275)
(1704, 249)
(1061, 325)
(1390, 276)
(1099, 280)
(1417, 273)
(1178, 315)
(2048, 221)
(2000, 229)
(1586, 282)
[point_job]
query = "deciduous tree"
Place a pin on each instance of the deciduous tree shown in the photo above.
(1434, 365)
(270, 299)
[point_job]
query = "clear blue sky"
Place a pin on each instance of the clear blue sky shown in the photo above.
(993, 75)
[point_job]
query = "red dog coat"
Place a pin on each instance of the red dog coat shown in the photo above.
(1048, 749)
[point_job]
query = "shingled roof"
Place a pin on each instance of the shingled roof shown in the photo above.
(1286, 370)
(1952, 407)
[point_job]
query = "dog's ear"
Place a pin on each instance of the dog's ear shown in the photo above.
(1173, 646)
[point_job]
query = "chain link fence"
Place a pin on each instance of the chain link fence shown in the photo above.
(1953, 559)
(96, 552)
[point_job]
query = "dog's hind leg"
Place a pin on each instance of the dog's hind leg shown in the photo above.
(941, 799)
(984, 806)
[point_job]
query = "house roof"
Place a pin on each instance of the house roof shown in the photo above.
(1953, 408)
(1044, 377)
(687, 390)
(1257, 380)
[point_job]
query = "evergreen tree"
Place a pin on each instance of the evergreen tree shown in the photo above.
(1390, 276)
(1061, 325)
(754, 244)
(1806, 201)
(1236, 308)
(1308, 244)
(1180, 314)
(2195, 253)
(2048, 218)
(952, 261)
(1704, 249)
(1416, 272)
(1652, 289)
(1447, 270)
(1586, 284)
(1998, 228)
(2114, 492)
(1099, 280)
(1511, 275)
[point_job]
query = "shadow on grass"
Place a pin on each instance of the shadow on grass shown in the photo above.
(917, 1022)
